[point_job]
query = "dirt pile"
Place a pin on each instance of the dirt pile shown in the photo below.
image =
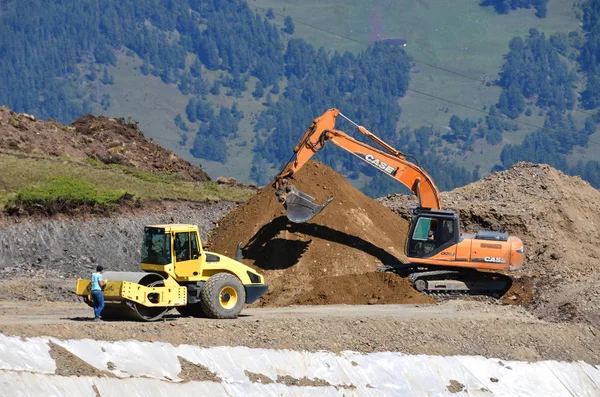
(107, 140)
(352, 236)
(557, 217)
(362, 289)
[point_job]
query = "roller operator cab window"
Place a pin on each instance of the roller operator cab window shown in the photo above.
(182, 247)
(156, 247)
(194, 242)
(186, 246)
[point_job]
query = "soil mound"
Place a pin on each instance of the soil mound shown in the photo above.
(352, 236)
(107, 140)
(362, 289)
(557, 217)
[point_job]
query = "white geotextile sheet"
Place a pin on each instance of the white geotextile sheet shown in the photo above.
(152, 368)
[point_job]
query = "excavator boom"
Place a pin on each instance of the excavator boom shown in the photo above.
(441, 259)
(301, 207)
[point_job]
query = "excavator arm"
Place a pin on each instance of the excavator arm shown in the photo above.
(300, 206)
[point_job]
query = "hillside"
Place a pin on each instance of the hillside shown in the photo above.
(95, 165)
(53, 188)
(106, 141)
(238, 106)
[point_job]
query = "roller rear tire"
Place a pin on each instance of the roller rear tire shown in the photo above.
(223, 296)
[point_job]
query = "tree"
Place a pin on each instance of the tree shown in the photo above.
(93, 75)
(106, 78)
(190, 110)
(288, 25)
(511, 103)
(210, 148)
(493, 137)
(504, 6)
(216, 88)
(178, 120)
(461, 129)
(259, 90)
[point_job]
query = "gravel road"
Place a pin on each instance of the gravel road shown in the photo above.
(449, 328)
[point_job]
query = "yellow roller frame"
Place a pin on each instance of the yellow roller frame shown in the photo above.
(146, 296)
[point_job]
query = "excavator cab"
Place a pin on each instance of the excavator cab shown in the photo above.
(431, 232)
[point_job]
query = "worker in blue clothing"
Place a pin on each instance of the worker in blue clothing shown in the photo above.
(97, 297)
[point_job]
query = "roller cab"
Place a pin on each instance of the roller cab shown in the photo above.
(178, 273)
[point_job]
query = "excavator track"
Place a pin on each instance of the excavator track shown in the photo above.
(453, 282)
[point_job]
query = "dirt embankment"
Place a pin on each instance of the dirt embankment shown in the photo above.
(107, 140)
(557, 217)
(330, 259)
(40, 258)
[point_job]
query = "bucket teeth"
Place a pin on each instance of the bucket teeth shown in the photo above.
(300, 206)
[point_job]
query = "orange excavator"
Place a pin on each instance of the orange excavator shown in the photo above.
(441, 260)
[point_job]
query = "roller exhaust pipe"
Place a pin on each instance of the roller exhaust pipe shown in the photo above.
(238, 252)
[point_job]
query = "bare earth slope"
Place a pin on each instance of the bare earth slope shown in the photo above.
(335, 251)
(109, 141)
(557, 217)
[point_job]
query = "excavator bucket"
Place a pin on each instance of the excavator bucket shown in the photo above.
(300, 207)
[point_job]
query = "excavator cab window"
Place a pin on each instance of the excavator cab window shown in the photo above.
(423, 238)
(422, 229)
(156, 247)
(430, 235)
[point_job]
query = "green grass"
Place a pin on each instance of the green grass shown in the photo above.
(64, 193)
(142, 175)
(21, 174)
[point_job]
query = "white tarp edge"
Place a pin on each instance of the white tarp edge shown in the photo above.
(153, 368)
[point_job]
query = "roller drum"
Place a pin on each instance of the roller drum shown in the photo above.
(124, 309)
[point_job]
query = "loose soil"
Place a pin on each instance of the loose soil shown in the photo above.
(68, 364)
(338, 250)
(107, 140)
(196, 372)
(258, 378)
(362, 289)
(520, 292)
(455, 386)
(304, 381)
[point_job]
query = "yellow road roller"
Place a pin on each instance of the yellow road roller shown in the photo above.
(178, 273)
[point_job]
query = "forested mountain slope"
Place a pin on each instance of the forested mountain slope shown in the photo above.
(234, 87)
